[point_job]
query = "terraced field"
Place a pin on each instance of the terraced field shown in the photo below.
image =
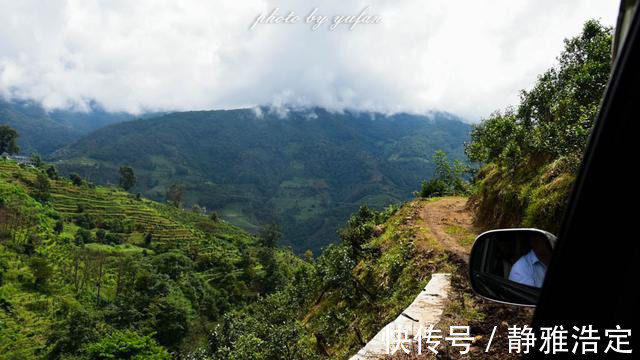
(81, 253)
(109, 204)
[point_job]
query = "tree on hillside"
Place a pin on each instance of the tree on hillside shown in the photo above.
(127, 178)
(76, 179)
(101, 234)
(52, 173)
(530, 153)
(58, 228)
(42, 272)
(174, 194)
(126, 344)
(42, 187)
(76, 326)
(308, 256)
(36, 160)
(148, 239)
(268, 238)
(29, 247)
(83, 236)
(8, 137)
(448, 177)
(554, 118)
(359, 229)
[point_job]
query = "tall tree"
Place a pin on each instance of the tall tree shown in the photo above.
(127, 178)
(36, 160)
(269, 236)
(76, 179)
(174, 194)
(448, 178)
(42, 187)
(8, 137)
(52, 173)
(358, 230)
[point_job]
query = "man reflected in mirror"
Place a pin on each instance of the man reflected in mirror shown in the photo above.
(531, 268)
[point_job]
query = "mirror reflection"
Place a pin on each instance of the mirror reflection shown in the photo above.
(531, 267)
(510, 265)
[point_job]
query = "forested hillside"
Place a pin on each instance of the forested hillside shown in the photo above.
(92, 272)
(530, 153)
(96, 273)
(306, 171)
(358, 285)
(43, 131)
(39, 132)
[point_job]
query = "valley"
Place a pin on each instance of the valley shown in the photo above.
(306, 172)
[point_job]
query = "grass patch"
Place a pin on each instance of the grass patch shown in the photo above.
(462, 235)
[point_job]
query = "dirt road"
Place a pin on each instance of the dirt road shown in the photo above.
(446, 225)
(449, 222)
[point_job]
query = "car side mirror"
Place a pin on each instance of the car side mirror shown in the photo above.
(509, 265)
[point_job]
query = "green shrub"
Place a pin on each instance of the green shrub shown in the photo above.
(29, 247)
(172, 264)
(433, 187)
(52, 173)
(76, 179)
(58, 228)
(83, 236)
(113, 239)
(42, 188)
(448, 178)
(126, 345)
(85, 221)
(42, 272)
(101, 235)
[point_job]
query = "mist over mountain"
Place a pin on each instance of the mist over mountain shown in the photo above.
(306, 170)
(43, 131)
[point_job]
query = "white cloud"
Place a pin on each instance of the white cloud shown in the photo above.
(466, 57)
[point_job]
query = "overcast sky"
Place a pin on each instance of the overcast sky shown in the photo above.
(466, 57)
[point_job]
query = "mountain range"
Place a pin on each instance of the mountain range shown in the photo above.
(304, 169)
(43, 131)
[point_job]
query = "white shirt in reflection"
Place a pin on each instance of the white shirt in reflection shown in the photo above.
(528, 270)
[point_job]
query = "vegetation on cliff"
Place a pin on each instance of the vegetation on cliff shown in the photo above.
(529, 154)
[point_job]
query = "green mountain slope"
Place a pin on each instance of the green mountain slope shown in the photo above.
(44, 131)
(38, 131)
(356, 287)
(307, 171)
(93, 270)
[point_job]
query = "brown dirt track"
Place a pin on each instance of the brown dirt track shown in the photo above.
(437, 219)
